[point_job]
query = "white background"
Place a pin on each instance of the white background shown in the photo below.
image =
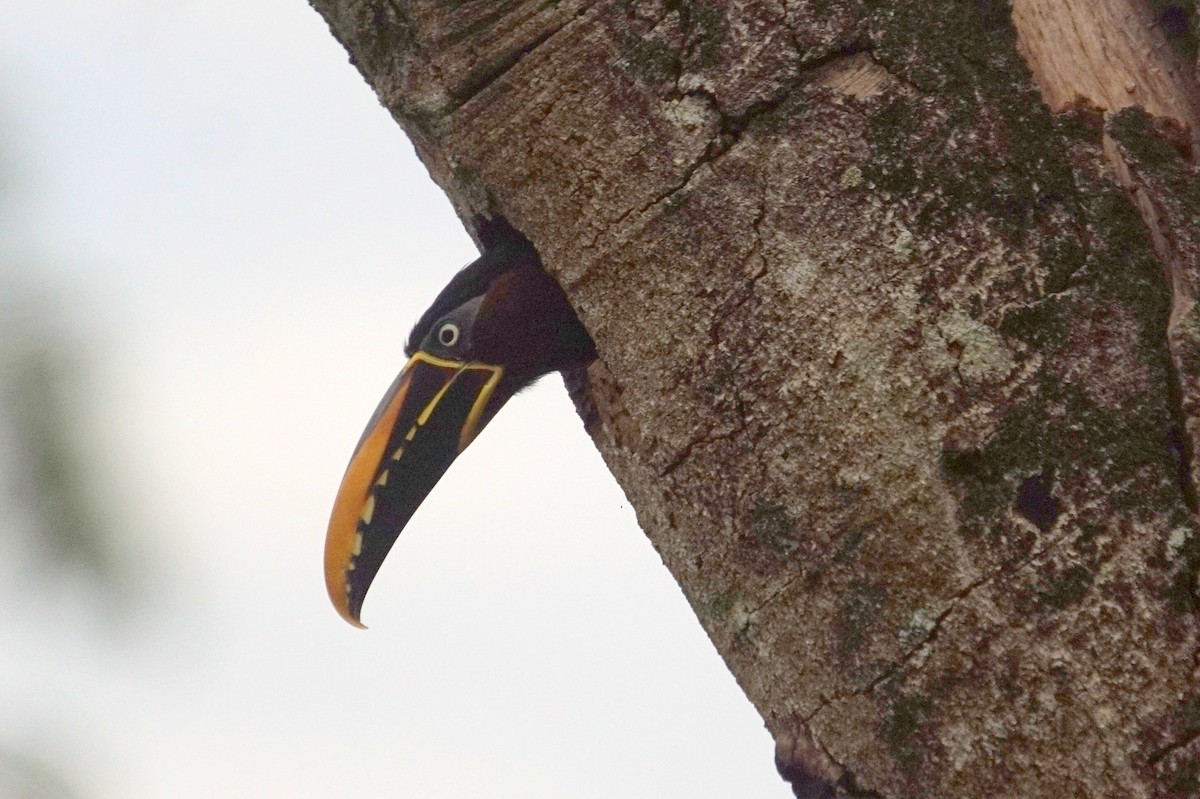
(237, 238)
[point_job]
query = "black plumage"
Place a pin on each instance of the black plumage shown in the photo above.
(500, 324)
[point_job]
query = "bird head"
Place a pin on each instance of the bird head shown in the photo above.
(500, 324)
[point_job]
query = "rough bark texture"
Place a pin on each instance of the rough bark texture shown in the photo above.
(899, 363)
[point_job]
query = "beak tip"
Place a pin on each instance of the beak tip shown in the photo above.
(348, 615)
(370, 510)
(339, 597)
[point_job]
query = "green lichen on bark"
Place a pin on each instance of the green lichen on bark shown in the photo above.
(1179, 768)
(1185, 566)
(848, 546)
(861, 607)
(1185, 778)
(1162, 151)
(721, 603)
(688, 37)
(1065, 425)
(1068, 587)
(1001, 156)
(906, 713)
(944, 45)
(706, 28)
(1134, 128)
(771, 526)
(650, 60)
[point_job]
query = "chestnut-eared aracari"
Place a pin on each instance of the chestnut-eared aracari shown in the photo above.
(502, 323)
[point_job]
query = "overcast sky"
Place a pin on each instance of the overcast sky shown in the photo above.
(239, 239)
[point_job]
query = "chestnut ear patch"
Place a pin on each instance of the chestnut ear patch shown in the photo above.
(502, 323)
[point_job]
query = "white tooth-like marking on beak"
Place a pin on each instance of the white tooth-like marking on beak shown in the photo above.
(399, 453)
(357, 546)
(411, 433)
(368, 510)
(382, 481)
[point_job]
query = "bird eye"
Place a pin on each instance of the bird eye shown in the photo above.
(448, 334)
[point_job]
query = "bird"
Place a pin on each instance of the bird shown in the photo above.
(500, 324)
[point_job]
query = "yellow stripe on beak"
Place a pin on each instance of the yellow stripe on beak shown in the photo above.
(439, 405)
(351, 498)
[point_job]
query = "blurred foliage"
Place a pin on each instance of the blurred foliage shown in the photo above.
(47, 487)
(47, 483)
(50, 528)
(25, 777)
(47, 527)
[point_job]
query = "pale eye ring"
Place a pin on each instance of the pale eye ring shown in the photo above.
(448, 335)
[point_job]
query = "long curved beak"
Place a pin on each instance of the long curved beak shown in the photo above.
(431, 413)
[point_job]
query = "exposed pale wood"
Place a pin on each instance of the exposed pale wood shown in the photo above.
(857, 76)
(1107, 53)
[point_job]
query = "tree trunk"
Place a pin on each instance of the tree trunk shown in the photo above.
(899, 350)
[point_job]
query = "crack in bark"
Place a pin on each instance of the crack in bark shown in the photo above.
(1172, 748)
(730, 127)
(789, 26)
(1167, 249)
(682, 457)
(926, 643)
(691, 37)
(712, 151)
(848, 784)
(715, 337)
(484, 75)
(723, 314)
(1183, 447)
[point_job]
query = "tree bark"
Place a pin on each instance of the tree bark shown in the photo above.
(899, 348)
